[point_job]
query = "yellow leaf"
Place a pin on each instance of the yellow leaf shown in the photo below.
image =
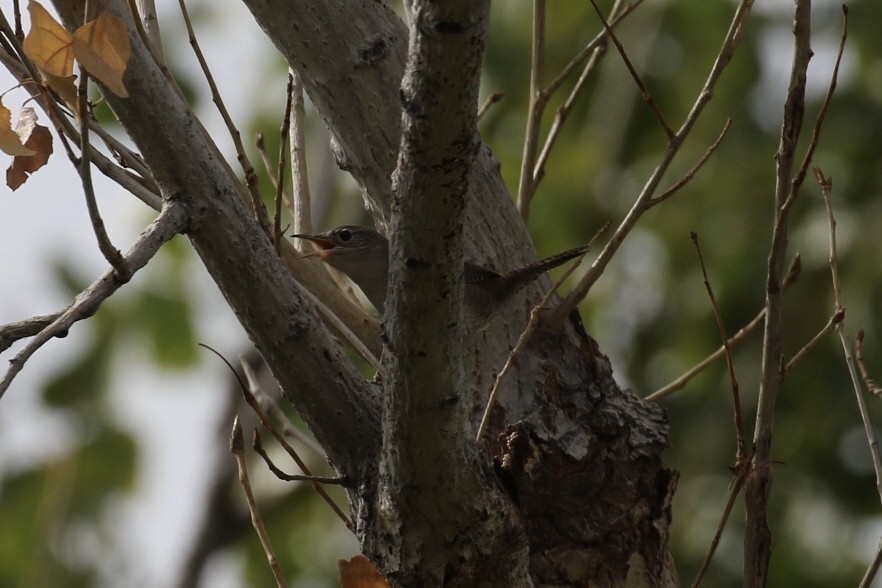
(48, 45)
(9, 140)
(102, 47)
(66, 88)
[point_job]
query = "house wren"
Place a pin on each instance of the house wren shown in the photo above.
(363, 255)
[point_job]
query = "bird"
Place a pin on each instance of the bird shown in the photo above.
(363, 254)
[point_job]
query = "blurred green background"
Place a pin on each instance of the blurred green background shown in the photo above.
(68, 506)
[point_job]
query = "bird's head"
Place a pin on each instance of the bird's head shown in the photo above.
(348, 242)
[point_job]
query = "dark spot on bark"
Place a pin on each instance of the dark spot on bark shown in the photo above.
(448, 402)
(448, 27)
(417, 265)
(374, 53)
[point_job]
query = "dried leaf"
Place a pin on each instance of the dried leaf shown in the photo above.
(9, 140)
(38, 139)
(359, 572)
(102, 47)
(66, 88)
(48, 44)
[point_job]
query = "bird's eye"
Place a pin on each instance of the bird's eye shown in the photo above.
(345, 235)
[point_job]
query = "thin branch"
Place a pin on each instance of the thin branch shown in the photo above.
(538, 99)
(615, 17)
(142, 188)
(12, 332)
(874, 389)
(563, 113)
(302, 209)
(111, 253)
(257, 445)
(727, 50)
(172, 220)
(265, 420)
(528, 331)
(237, 448)
(798, 179)
(734, 491)
(691, 173)
(735, 340)
(867, 580)
(643, 89)
(758, 536)
(834, 320)
(488, 102)
(826, 190)
(740, 454)
(250, 177)
(280, 170)
(272, 408)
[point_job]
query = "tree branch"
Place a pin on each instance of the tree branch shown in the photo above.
(171, 221)
(241, 259)
(758, 537)
(644, 199)
(427, 428)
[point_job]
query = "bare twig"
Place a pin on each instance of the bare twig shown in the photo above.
(171, 221)
(490, 101)
(615, 17)
(798, 179)
(758, 537)
(826, 190)
(562, 114)
(871, 385)
(867, 580)
(834, 320)
(266, 422)
(272, 408)
(111, 253)
(257, 445)
(250, 177)
(734, 340)
(643, 89)
(528, 331)
(691, 173)
(734, 491)
(532, 169)
(12, 332)
(237, 448)
(280, 170)
(740, 454)
(730, 43)
(269, 168)
(534, 113)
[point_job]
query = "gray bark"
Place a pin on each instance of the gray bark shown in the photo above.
(569, 484)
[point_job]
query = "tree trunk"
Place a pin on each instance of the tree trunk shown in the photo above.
(568, 487)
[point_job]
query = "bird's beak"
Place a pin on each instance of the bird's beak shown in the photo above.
(319, 240)
(323, 243)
